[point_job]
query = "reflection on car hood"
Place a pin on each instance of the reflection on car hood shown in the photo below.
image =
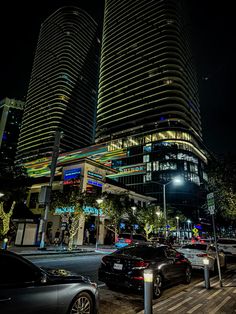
(63, 274)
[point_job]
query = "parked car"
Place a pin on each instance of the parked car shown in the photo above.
(26, 288)
(227, 245)
(196, 252)
(125, 239)
(125, 267)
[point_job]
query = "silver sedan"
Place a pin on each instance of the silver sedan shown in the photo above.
(26, 288)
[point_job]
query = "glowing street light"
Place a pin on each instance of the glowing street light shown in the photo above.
(177, 228)
(189, 222)
(176, 181)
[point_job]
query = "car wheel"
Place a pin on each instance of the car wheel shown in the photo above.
(157, 286)
(188, 275)
(82, 304)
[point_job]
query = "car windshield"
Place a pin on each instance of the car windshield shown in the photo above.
(125, 236)
(138, 237)
(142, 252)
(201, 247)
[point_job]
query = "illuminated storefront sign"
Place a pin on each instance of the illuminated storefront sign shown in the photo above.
(86, 209)
(94, 183)
(95, 175)
(71, 175)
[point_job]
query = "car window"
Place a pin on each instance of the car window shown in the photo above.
(226, 241)
(201, 247)
(212, 249)
(142, 251)
(170, 252)
(14, 270)
(125, 235)
(138, 237)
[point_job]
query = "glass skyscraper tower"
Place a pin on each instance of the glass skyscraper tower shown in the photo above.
(148, 106)
(63, 85)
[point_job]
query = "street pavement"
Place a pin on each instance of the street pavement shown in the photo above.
(51, 250)
(183, 300)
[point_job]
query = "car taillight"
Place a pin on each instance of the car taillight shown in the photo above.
(201, 255)
(128, 241)
(104, 260)
(140, 265)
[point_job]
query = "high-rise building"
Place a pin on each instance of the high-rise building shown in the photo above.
(148, 106)
(11, 112)
(62, 89)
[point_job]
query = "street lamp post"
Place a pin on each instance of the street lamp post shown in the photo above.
(158, 217)
(99, 201)
(177, 228)
(134, 209)
(176, 180)
(189, 222)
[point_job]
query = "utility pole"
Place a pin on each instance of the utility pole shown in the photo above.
(55, 154)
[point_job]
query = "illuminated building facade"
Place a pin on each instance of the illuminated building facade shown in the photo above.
(11, 112)
(63, 85)
(148, 104)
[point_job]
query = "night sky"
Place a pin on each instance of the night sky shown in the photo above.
(213, 36)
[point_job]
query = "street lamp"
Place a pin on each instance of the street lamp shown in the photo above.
(1, 194)
(99, 201)
(158, 217)
(133, 209)
(177, 181)
(189, 222)
(177, 228)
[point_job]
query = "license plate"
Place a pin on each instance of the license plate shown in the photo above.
(118, 266)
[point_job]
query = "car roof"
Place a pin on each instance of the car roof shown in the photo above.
(18, 256)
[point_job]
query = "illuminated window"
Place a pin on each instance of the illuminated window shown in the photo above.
(169, 165)
(185, 166)
(146, 158)
(147, 148)
(155, 165)
(147, 177)
(194, 168)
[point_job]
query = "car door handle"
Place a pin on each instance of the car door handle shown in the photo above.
(5, 300)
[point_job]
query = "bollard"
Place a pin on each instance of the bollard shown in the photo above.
(206, 273)
(148, 291)
(4, 244)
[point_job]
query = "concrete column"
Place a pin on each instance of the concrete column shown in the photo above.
(80, 233)
(102, 231)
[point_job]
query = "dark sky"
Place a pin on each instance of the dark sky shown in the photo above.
(213, 34)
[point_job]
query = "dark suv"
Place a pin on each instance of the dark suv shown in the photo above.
(125, 239)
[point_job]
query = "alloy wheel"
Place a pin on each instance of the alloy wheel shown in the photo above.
(82, 304)
(188, 275)
(157, 285)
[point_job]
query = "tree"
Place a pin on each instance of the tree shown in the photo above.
(5, 217)
(115, 207)
(150, 220)
(76, 200)
(14, 184)
(222, 181)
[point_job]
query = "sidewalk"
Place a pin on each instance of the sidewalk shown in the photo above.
(197, 299)
(61, 249)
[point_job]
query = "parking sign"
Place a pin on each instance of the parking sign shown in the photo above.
(211, 203)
